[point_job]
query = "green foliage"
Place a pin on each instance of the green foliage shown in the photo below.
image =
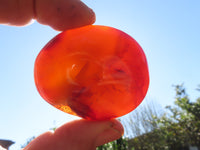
(177, 129)
(120, 144)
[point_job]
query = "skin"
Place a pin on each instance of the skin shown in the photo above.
(78, 135)
(61, 15)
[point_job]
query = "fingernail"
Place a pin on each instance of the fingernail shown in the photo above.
(117, 126)
(111, 133)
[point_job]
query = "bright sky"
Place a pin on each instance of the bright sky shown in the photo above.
(168, 31)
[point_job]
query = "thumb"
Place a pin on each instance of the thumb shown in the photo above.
(79, 134)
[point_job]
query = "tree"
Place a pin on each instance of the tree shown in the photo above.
(184, 121)
(141, 120)
(140, 123)
(177, 128)
(120, 144)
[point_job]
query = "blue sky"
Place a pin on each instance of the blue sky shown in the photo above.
(168, 31)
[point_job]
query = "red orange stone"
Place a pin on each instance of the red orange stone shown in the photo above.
(95, 72)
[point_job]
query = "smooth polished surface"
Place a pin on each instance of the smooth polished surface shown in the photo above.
(95, 72)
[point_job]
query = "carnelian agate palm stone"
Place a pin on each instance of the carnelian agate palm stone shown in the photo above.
(94, 72)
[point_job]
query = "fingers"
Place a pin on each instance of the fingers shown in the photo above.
(16, 12)
(59, 14)
(80, 134)
(63, 14)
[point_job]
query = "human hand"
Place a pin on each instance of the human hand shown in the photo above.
(59, 14)
(78, 135)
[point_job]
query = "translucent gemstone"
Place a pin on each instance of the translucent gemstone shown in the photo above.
(94, 72)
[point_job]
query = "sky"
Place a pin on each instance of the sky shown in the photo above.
(168, 31)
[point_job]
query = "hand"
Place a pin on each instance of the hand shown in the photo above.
(59, 14)
(78, 135)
